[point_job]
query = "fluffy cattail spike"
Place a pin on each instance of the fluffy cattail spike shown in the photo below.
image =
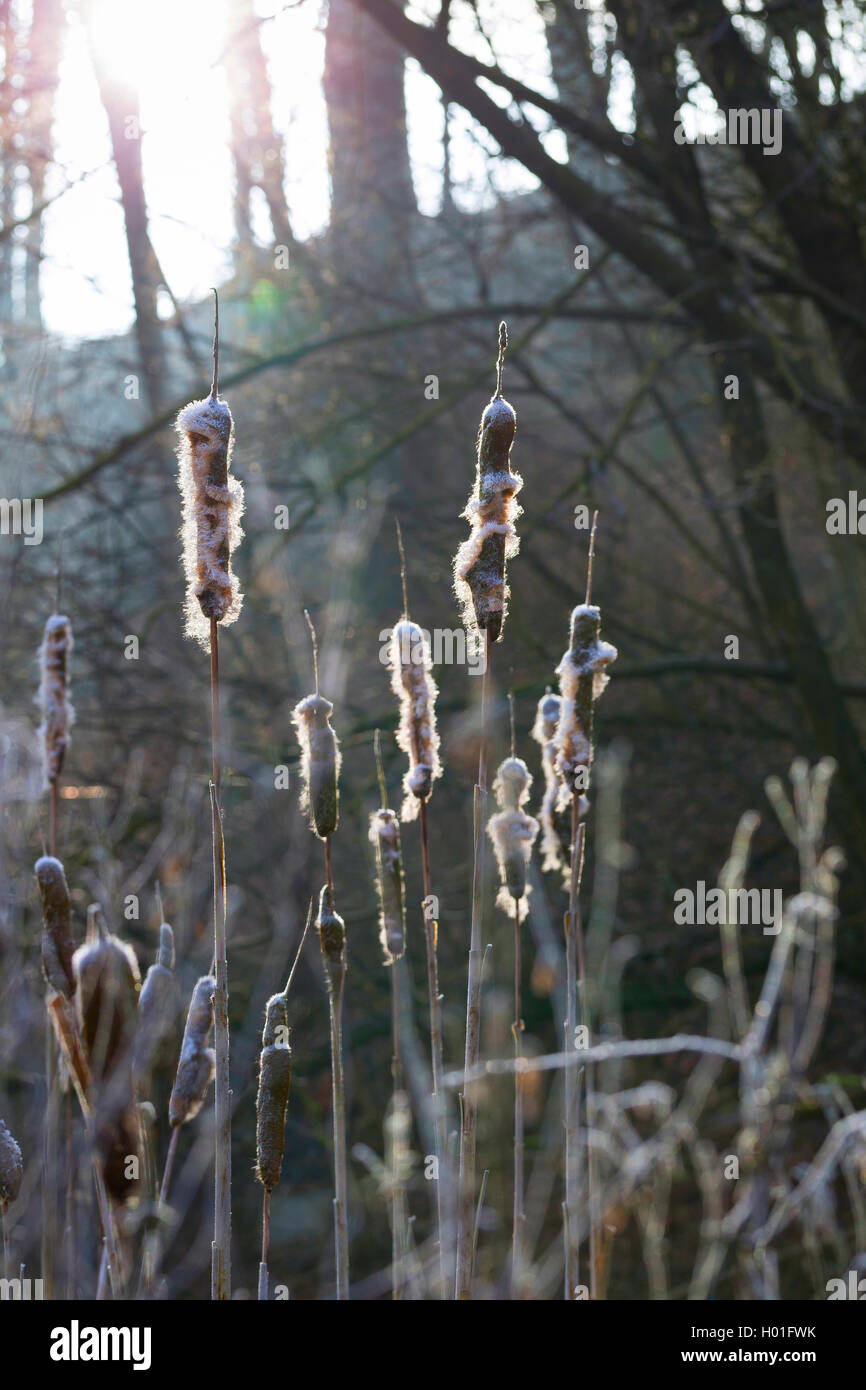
(513, 833)
(195, 1068)
(58, 716)
(11, 1166)
(582, 678)
(492, 510)
(385, 838)
(213, 503)
(413, 684)
(58, 948)
(320, 763)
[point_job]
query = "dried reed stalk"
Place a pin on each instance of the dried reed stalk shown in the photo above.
(479, 581)
(384, 835)
(513, 834)
(582, 678)
(413, 684)
(272, 1101)
(212, 508)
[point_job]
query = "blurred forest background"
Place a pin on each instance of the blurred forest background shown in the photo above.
(472, 149)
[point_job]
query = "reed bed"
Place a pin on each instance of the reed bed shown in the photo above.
(578, 1179)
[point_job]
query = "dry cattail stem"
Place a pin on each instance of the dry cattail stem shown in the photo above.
(332, 940)
(213, 502)
(413, 684)
(385, 838)
(107, 1006)
(157, 1010)
(513, 833)
(58, 947)
(492, 509)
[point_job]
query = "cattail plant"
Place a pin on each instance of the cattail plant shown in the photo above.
(481, 588)
(417, 736)
(320, 798)
(332, 941)
(11, 1177)
(384, 835)
(212, 508)
(106, 1000)
(272, 1101)
(513, 832)
(582, 678)
(157, 1010)
(58, 714)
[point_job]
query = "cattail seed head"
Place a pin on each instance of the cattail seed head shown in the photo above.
(320, 763)
(415, 688)
(213, 502)
(106, 972)
(385, 838)
(106, 1000)
(492, 509)
(513, 833)
(58, 716)
(58, 948)
(11, 1166)
(555, 822)
(195, 1069)
(332, 939)
(582, 678)
(275, 1075)
(157, 1009)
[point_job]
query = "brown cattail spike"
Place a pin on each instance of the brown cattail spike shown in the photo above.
(385, 837)
(106, 1001)
(513, 833)
(58, 947)
(492, 509)
(213, 503)
(320, 763)
(332, 939)
(195, 1069)
(413, 684)
(275, 1075)
(58, 716)
(157, 1010)
(11, 1166)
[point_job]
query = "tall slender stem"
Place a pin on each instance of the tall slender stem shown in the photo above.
(266, 1242)
(341, 1229)
(399, 1242)
(519, 1217)
(466, 1194)
(221, 1252)
(443, 1185)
